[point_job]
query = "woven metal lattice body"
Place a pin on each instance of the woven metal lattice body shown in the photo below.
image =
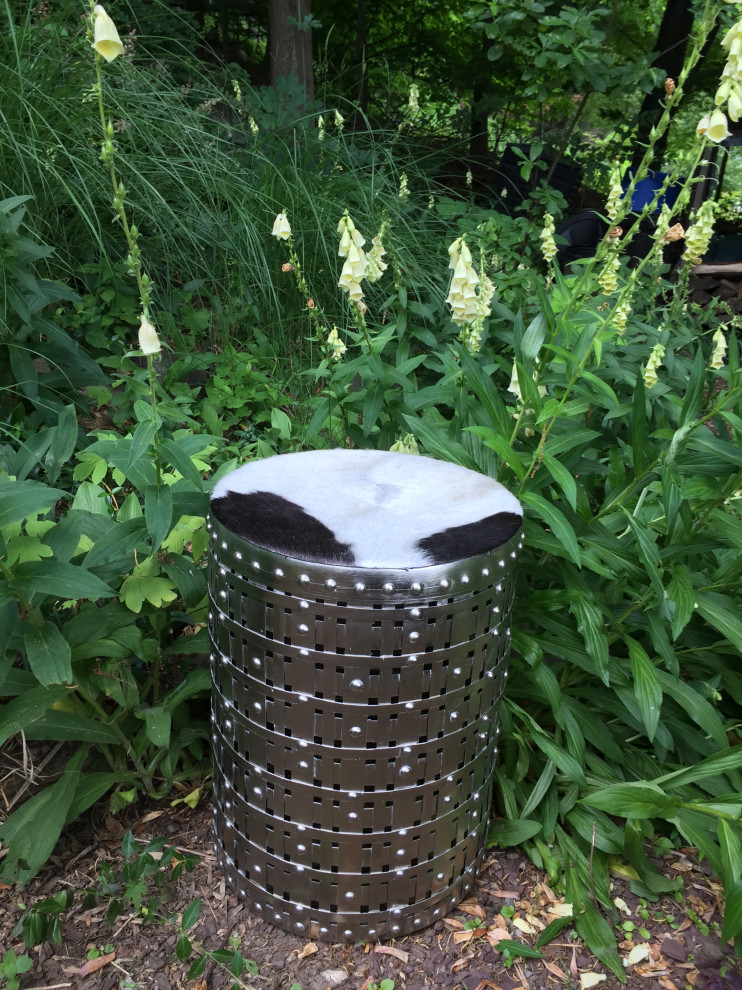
(355, 722)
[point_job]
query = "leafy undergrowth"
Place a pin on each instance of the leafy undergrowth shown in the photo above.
(154, 912)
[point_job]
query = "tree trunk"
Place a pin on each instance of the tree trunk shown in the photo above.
(290, 43)
(672, 41)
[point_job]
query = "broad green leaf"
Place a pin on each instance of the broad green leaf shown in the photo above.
(92, 498)
(556, 521)
(639, 443)
(197, 967)
(64, 442)
(563, 478)
(552, 930)
(158, 513)
(21, 711)
(196, 682)
(48, 654)
(120, 541)
(649, 554)
(712, 766)
(732, 912)
(67, 726)
(495, 441)
(31, 832)
(691, 701)
(564, 761)
(694, 391)
(190, 914)
(633, 801)
(188, 577)
(680, 593)
(731, 853)
(54, 577)
(511, 833)
(518, 949)
(590, 623)
(722, 612)
(540, 788)
(141, 441)
(596, 827)
(21, 499)
(599, 938)
(533, 338)
(178, 458)
(157, 724)
(183, 948)
(646, 686)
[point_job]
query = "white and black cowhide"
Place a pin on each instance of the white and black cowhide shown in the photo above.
(366, 508)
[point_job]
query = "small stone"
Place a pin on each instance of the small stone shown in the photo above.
(673, 949)
(333, 977)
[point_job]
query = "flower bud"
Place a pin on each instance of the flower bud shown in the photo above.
(717, 126)
(720, 349)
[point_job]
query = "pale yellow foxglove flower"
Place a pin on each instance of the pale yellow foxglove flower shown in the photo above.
(717, 127)
(404, 192)
(720, 350)
(339, 120)
(407, 445)
(653, 365)
(615, 194)
(106, 39)
(336, 345)
(548, 244)
(149, 342)
(703, 124)
(281, 228)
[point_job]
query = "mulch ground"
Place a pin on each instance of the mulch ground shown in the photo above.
(680, 945)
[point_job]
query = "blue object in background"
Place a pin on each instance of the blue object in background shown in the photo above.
(647, 187)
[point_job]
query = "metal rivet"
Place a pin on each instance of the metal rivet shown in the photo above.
(405, 769)
(227, 723)
(454, 716)
(256, 791)
(444, 583)
(303, 605)
(412, 658)
(395, 928)
(464, 578)
(303, 628)
(416, 587)
(500, 563)
(388, 587)
(355, 730)
(409, 705)
(324, 931)
(350, 895)
(257, 706)
(457, 671)
(222, 572)
(401, 852)
(440, 876)
(303, 579)
(302, 743)
(372, 931)
(359, 586)
(447, 799)
(303, 653)
(255, 566)
(415, 613)
(513, 554)
(402, 831)
(256, 869)
(299, 926)
(496, 610)
(414, 636)
(224, 545)
(498, 587)
(278, 572)
(356, 684)
(211, 616)
(303, 697)
(353, 816)
(329, 583)
(238, 555)
(303, 764)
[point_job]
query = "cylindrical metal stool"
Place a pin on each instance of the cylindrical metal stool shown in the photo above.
(355, 707)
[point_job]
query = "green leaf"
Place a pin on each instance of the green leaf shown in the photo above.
(120, 541)
(197, 967)
(633, 801)
(647, 687)
(32, 831)
(722, 612)
(590, 623)
(59, 579)
(64, 442)
(563, 478)
(183, 948)
(731, 853)
(498, 443)
(552, 930)
(564, 761)
(518, 949)
(712, 766)
(691, 701)
(64, 726)
(556, 521)
(141, 441)
(48, 654)
(533, 338)
(732, 912)
(694, 390)
(680, 593)
(21, 711)
(178, 458)
(639, 427)
(21, 499)
(599, 938)
(158, 513)
(191, 914)
(649, 554)
(157, 724)
(511, 833)
(138, 588)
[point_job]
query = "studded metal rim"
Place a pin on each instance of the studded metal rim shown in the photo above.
(299, 577)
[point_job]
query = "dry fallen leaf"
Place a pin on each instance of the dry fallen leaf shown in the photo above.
(561, 910)
(622, 906)
(453, 923)
(460, 937)
(681, 867)
(524, 926)
(460, 964)
(638, 954)
(588, 980)
(390, 950)
(495, 935)
(505, 894)
(309, 949)
(556, 971)
(93, 965)
(473, 908)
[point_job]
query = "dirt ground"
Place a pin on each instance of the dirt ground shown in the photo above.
(512, 897)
